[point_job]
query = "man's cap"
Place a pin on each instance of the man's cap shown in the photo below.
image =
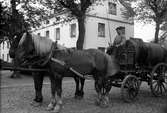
(120, 28)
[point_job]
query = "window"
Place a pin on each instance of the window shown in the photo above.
(57, 33)
(47, 34)
(7, 57)
(39, 34)
(73, 30)
(101, 29)
(112, 8)
(102, 48)
(2, 56)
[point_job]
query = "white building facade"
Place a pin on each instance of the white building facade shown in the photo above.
(100, 25)
(4, 51)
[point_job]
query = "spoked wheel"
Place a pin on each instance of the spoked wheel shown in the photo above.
(159, 80)
(130, 88)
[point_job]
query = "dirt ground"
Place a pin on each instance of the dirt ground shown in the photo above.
(17, 94)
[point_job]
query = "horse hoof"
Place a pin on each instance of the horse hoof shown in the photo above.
(57, 109)
(35, 104)
(104, 103)
(50, 107)
(97, 102)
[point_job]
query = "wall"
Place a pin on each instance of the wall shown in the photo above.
(97, 14)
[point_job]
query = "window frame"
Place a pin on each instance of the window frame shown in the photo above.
(57, 31)
(112, 11)
(73, 32)
(47, 33)
(101, 30)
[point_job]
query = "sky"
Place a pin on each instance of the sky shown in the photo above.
(144, 31)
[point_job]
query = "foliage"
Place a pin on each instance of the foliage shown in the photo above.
(152, 11)
(34, 12)
(12, 22)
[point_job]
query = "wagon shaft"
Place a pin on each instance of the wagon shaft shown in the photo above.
(24, 69)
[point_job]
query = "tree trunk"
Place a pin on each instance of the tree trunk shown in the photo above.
(157, 32)
(81, 29)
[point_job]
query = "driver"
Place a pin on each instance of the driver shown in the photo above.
(119, 41)
(120, 38)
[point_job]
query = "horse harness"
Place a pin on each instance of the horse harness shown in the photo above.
(46, 60)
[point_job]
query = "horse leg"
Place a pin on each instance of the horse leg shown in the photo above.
(81, 92)
(38, 82)
(106, 87)
(58, 97)
(53, 91)
(98, 90)
(77, 86)
(15, 74)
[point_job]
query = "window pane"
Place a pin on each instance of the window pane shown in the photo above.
(3, 56)
(7, 57)
(73, 30)
(47, 34)
(112, 8)
(101, 29)
(57, 33)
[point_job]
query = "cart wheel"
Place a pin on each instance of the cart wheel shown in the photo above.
(159, 80)
(130, 88)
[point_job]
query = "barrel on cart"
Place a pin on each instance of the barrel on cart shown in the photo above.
(140, 61)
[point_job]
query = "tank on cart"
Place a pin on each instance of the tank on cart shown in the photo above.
(140, 61)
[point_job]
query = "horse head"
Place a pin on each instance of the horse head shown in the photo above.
(25, 48)
(14, 42)
(33, 46)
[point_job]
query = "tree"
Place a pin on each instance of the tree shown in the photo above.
(12, 21)
(78, 9)
(4, 18)
(163, 37)
(15, 20)
(36, 11)
(152, 11)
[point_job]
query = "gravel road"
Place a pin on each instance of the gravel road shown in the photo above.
(17, 94)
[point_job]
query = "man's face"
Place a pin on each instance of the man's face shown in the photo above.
(121, 31)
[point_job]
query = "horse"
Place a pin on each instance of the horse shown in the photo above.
(39, 76)
(13, 46)
(86, 62)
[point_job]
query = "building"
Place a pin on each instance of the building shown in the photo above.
(100, 26)
(4, 51)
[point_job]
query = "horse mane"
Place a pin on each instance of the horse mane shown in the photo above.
(42, 45)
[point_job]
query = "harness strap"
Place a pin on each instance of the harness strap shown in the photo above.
(70, 68)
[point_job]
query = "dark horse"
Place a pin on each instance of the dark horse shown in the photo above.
(87, 62)
(39, 76)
